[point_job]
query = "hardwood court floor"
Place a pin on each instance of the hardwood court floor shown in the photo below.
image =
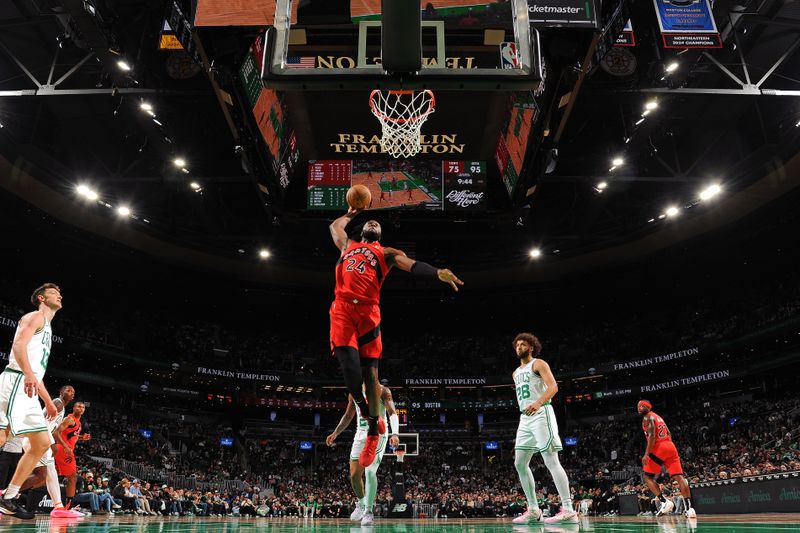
(704, 524)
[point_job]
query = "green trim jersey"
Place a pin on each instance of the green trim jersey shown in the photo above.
(529, 385)
(362, 424)
(38, 351)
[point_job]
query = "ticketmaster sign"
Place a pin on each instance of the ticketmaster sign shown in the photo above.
(564, 13)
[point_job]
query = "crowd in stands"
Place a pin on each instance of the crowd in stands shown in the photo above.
(717, 442)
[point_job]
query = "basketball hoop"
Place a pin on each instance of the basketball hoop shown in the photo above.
(401, 455)
(402, 114)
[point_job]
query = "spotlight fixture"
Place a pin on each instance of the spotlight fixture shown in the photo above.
(87, 193)
(535, 253)
(617, 161)
(123, 65)
(672, 67)
(652, 104)
(264, 253)
(602, 185)
(146, 106)
(123, 211)
(194, 185)
(671, 211)
(179, 162)
(710, 191)
(639, 121)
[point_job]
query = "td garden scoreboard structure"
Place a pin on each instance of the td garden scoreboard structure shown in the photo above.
(310, 76)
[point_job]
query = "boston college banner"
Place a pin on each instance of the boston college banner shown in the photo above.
(687, 24)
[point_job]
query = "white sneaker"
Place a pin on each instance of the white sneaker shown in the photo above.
(690, 513)
(563, 516)
(367, 519)
(358, 514)
(666, 507)
(528, 516)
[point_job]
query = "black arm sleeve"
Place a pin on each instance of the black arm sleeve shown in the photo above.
(424, 270)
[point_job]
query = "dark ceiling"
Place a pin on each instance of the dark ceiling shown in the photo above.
(90, 129)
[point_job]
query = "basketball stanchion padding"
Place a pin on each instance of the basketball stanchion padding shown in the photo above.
(401, 114)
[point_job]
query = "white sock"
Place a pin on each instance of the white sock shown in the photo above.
(53, 488)
(11, 492)
(559, 478)
(370, 488)
(522, 461)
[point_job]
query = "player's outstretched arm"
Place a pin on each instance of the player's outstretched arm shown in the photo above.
(338, 226)
(399, 259)
(348, 415)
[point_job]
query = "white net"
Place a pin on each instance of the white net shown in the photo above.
(402, 114)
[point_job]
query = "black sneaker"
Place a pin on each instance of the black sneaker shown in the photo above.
(11, 507)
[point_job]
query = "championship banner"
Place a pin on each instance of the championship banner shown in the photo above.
(564, 14)
(687, 24)
(626, 38)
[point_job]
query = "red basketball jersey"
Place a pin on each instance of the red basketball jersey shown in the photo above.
(70, 435)
(662, 432)
(360, 273)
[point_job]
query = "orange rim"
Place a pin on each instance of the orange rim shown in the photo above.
(383, 116)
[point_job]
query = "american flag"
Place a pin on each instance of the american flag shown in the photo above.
(300, 62)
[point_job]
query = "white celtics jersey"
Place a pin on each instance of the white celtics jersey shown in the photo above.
(362, 425)
(38, 351)
(54, 423)
(529, 385)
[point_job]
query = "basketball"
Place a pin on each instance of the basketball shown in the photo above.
(359, 197)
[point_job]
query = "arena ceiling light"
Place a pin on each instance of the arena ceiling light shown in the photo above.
(535, 253)
(195, 186)
(639, 121)
(123, 65)
(601, 186)
(146, 106)
(672, 211)
(87, 192)
(179, 162)
(672, 67)
(124, 211)
(618, 161)
(264, 254)
(710, 192)
(652, 104)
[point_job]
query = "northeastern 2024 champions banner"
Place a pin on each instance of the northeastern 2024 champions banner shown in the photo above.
(687, 24)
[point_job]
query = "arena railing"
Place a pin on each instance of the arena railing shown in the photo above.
(425, 510)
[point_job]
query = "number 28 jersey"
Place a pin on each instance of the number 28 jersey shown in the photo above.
(360, 272)
(662, 432)
(529, 385)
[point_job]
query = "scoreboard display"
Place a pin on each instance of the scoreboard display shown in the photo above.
(328, 182)
(430, 185)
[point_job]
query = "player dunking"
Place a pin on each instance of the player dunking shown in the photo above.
(20, 412)
(45, 472)
(366, 498)
(538, 430)
(661, 453)
(356, 317)
(70, 434)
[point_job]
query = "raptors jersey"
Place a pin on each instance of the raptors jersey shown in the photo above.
(662, 432)
(70, 435)
(38, 351)
(360, 273)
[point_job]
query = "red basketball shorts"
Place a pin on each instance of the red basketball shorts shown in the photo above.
(664, 455)
(357, 326)
(65, 466)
